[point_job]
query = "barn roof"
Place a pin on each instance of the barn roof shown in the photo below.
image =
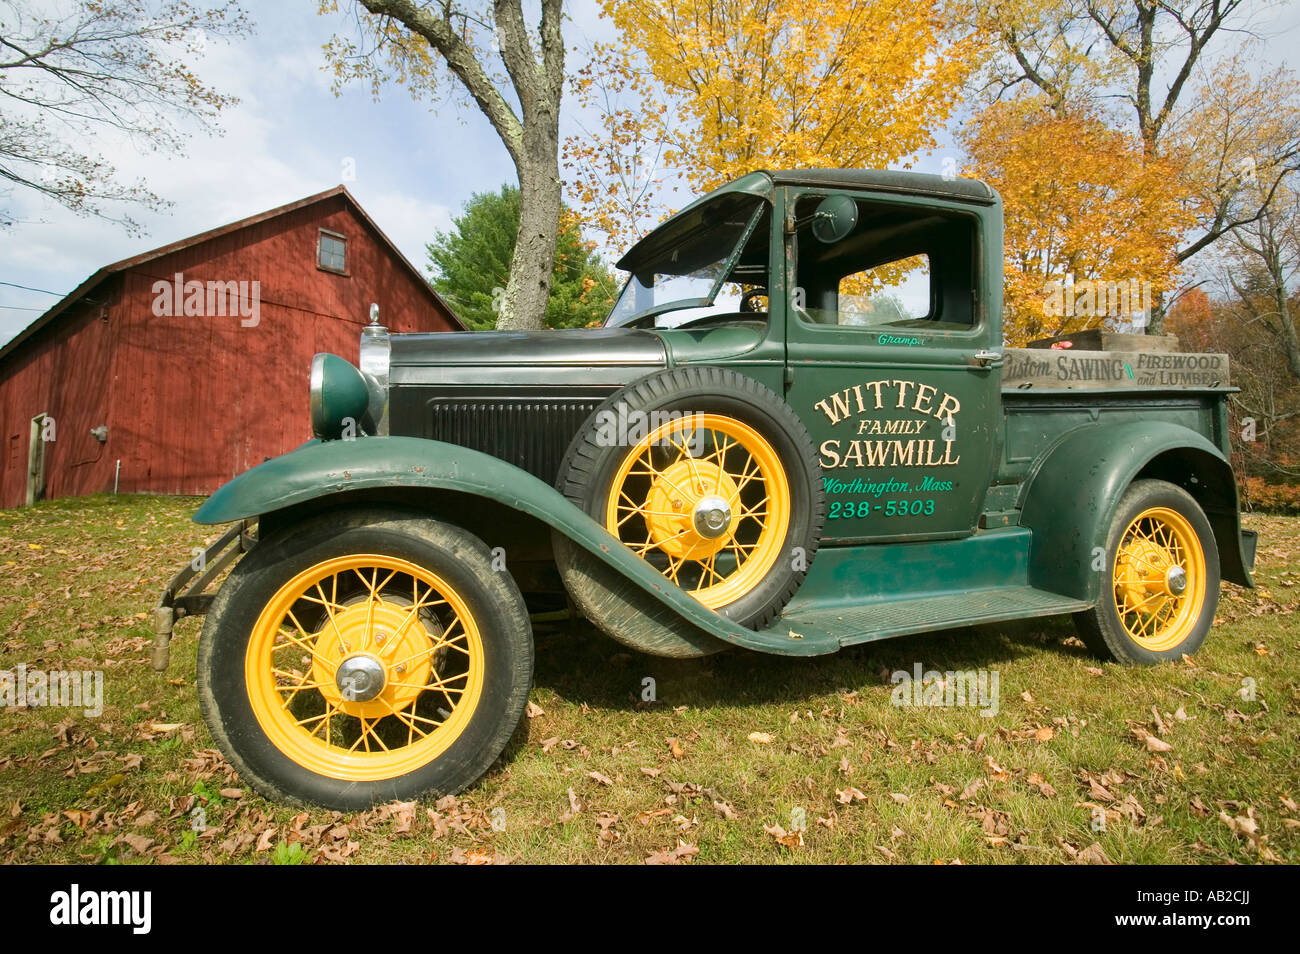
(91, 283)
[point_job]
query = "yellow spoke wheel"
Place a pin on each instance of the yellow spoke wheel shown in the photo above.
(364, 667)
(711, 478)
(706, 498)
(1160, 588)
(1159, 579)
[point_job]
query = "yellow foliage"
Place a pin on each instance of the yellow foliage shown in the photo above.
(1081, 200)
(724, 87)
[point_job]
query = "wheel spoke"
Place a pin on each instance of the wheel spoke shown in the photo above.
(299, 643)
(443, 641)
(396, 638)
(411, 727)
(650, 545)
(316, 718)
(690, 459)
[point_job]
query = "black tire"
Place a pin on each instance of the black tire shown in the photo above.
(503, 674)
(1103, 628)
(623, 611)
(592, 462)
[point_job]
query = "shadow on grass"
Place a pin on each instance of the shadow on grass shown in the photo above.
(582, 665)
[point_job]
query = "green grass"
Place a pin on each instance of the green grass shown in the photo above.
(78, 579)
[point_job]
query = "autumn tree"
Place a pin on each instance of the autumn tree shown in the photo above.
(1240, 149)
(729, 86)
(1238, 318)
(513, 74)
(1262, 263)
(471, 262)
(1083, 205)
(612, 170)
(70, 72)
(1182, 90)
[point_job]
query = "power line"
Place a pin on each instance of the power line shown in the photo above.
(43, 291)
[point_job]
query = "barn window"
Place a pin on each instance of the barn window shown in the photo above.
(331, 252)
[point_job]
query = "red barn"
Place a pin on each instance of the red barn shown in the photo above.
(174, 370)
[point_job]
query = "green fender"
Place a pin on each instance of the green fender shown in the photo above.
(319, 469)
(1071, 498)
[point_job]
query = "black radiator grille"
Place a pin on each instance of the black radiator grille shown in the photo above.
(531, 434)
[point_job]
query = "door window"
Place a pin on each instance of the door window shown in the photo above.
(898, 267)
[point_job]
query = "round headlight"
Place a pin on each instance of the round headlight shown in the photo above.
(340, 398)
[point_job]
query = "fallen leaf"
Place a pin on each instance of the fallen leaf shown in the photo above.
(139, 844)
(971, 790)
(404, 816)
(1094, 854)
(788, 839)
(674, 856)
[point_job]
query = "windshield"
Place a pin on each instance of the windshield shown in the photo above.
(685, 262)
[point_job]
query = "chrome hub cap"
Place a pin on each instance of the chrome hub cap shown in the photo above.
(1176, 580)
(360, 678)
(711, 516)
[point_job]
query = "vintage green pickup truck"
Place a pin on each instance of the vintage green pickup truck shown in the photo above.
(798, 429)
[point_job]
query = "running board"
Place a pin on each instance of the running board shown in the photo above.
(809, 630)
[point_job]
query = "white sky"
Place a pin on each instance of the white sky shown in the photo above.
(290, 136)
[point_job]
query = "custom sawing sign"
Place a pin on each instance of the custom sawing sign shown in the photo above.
(1037, 368)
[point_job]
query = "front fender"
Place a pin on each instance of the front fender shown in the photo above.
(1071, 497)
(319, 470)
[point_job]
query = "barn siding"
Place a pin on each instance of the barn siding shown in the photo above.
(191, 402)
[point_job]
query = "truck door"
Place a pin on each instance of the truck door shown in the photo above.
(891, 360)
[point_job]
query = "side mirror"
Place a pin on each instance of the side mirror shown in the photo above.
(835, 217)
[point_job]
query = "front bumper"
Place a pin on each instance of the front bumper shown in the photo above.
(185, 595)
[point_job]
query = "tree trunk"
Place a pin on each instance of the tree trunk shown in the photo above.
(532, 137)
(1284, 317)
(531, 268)
(1156, 320)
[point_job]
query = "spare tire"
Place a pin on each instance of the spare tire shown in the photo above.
(710, 477)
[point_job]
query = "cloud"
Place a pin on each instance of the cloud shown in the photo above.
(410, 224)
